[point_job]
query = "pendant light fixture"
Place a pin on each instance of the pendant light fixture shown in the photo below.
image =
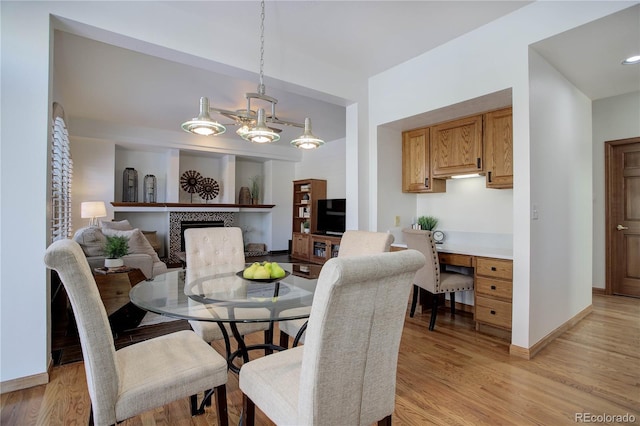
(203, 124)
(307, 140)
(252, 126)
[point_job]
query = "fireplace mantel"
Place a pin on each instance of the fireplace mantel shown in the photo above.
(189, 207)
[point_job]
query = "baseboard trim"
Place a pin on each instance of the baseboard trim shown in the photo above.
(600, 291)
(529, 353)
(25, 382)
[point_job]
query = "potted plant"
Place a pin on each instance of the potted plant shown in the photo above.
(114, 249)
(305, 226)
(255, 189)
(427, 223)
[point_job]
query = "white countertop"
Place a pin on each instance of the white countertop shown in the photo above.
(497, 253)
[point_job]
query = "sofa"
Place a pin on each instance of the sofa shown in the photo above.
(141, 254)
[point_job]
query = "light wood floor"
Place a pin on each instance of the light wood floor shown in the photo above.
(453, 375)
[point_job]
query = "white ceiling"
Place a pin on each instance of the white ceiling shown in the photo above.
(108, 83)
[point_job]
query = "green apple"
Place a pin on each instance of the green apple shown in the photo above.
(277, 271)
(250, 271)
(261, 273)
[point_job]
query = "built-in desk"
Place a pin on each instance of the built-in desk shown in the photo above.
(493, 279)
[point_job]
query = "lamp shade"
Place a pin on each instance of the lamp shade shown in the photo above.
(261, 133)
(92, 209)
(203, 124)
(307, 140)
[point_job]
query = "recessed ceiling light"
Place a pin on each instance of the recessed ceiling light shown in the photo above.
(632, 60)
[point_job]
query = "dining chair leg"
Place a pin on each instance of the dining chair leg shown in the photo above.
(414, 300)
(195, 411)
(268, 339)
(434, 312)
(385, 422)
(452, 299)
(284, 339)
(248, 411)
(221, 405)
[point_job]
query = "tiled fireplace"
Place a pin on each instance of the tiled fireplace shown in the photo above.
(178, 221)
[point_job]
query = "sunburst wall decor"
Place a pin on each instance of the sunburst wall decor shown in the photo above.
(190, 182)
(209, 189)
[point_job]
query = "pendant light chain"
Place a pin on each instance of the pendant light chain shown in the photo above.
(258, 132)
(261, 89)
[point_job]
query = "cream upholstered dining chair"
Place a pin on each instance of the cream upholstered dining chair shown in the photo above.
(352, 243)
(207, 247)
(142, 376)
(430, 277)
(345, 374)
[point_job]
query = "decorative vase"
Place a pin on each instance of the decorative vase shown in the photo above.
(130, 185)
(150, 189)
(245, 196)
(113, 263)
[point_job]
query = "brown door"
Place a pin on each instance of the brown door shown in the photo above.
(622, 163)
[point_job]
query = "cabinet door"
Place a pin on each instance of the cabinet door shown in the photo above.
(498, 148)
(300, 246)
(456, 147)
(416, 167)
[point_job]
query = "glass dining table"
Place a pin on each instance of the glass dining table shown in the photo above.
(221, 295)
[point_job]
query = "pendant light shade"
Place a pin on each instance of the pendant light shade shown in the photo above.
(261, 133)
(203, 124)
(307, 140)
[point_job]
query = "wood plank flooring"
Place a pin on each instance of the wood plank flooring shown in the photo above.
(453, 375)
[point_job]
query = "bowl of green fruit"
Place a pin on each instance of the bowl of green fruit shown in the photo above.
(264, 272)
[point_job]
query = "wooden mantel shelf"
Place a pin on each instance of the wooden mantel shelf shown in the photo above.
(193, 205)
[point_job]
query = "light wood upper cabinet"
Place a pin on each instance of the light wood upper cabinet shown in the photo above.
(498, 148)
(456, 147)
(416, 166)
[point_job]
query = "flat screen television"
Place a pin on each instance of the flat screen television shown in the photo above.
(332, 215)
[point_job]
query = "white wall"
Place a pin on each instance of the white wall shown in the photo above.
(326, 163)
(93, 165)
(614, 118)
(561, 189)
(25, 86)
(469, 206)
(281, 175)
(487, 60)
(392, 201)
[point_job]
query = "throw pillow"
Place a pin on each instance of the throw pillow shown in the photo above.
(122, 225)
(92, 241)
(138, 244)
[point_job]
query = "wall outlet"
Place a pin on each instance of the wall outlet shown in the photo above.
(397, 221)
(534, 212)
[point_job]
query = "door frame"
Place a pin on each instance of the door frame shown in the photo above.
(609, 147)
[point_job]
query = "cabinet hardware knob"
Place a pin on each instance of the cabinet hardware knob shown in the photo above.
(426, 182)
(493, 287)
(489, 176)
(479, 162)
(493, 268)
(493, 312)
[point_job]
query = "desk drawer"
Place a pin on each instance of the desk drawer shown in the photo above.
(495, 312)
(456, 259)
(494, 288)
(497, 268)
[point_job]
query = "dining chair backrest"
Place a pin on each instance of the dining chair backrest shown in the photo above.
(357, 243)
(98, 349)
(428, 277)
(348, 370)
(213, 246)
